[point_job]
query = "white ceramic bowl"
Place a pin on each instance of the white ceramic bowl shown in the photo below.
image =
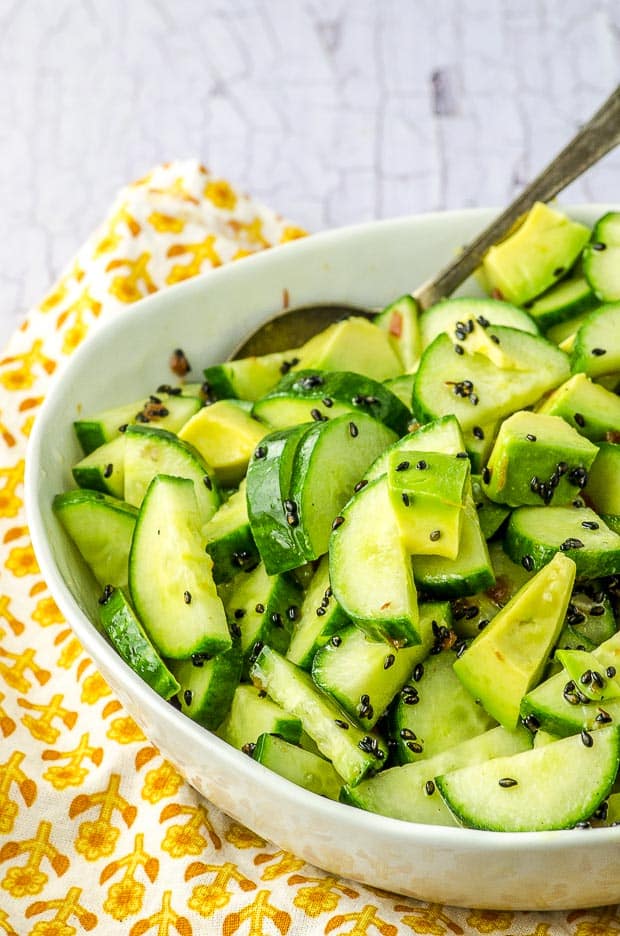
(365, 265)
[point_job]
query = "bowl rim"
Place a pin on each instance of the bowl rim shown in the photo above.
(402, 832)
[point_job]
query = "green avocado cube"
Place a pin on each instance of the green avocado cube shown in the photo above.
(537, 459)
(427, 490)
(603, 487)
(591, 409)
(593, 680)
(535, 256)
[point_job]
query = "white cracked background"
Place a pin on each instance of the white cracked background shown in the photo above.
(332, 111)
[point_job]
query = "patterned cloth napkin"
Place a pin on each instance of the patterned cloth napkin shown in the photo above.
(98, 832)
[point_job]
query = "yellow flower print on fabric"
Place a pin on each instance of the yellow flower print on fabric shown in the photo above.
(21, 561)
(321, 895)
(292, 233)
(135, 282)
(124, 730)
(47, 612)
(10, 479)
(161, 782)
(166, 224)
(207, 898)
(221, 194)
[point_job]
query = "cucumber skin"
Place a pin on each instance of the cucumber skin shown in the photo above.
(129, 639)
(225, 673)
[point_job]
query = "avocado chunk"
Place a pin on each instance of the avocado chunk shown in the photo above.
(535, 257)
(508, 657)
(354, 344)
(603, 487)
(537, 459)
(427, 491)
(596, 682)
(225, 435)
(591, 409)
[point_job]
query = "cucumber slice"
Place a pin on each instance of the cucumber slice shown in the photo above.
(252, 714)
(207, 686)
(469, 573)
(166, 410)
(402, 387)
(596, 350)
(562, 302)
(330, 458)
(591, 409)
(321, 616)
(370, 571)
(564, 332)
(603, 487)
(508, 657)
(475, 389)
(268, 482)
(444, 715)
(400, 321)
(550, 787)
(440, 435)
(102, 528)
(560, 707)
(170, 578)
(248, 378)
(591, 614)
(601, 258)
(352, 753)
(304, 768)
(306, 395)
(452, 315)
(409, 792)
(127, 636)
(363, 675)
(229, 538)
(104, 469)
(582, 667)
(150, 451)
(539, 532)
(490, 515)
(261, 608)
(479, 441)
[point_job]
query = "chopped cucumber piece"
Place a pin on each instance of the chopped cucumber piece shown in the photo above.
(104, 469)
(207, 685)
(596, 350)
(453, 316)
(601, 258)
(166, 410)
(591, 409)
(304, 768)
(248, 378)
(321, 616)
(562, 302)
(252, 713)
(603, 487)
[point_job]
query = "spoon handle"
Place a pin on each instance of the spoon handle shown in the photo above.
(591, 143)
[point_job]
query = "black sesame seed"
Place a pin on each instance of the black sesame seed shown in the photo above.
(341, 724)
(107, 594)
(276, 619)
(494, 338)
(603, 717)
(415, 747)
(421, 465)
(571, 543)
(260, 608)
(292, 519)
(316, 415)
(462, 455)
(402, 466)
(459, 349)
(598, 245)
(320, 612)
(528, 563)
(486, 474)
(235, 630)
(123, 428)
(336, 640)
(107, 471)
(407, 734)
(389, 661)
(418, 672)
(483, 623)
(256, 649)
(338, 521)
(405, 498)
(311, 381)
(531, 722)
(559, 270)
(589, 524)
(610, 672)
(599, 352)
(249, 748)
(460, 334)
(530, 437)
(239, 613)
(353, 430)
(260, 452)
(292, 613)
(434, 535)
(328, 402)
(478, 432)
(188, 695)
(429, 787)
(473, 399)
(508, 782)
(579, 419)
(587, 738)
(187, 597)
(360, 484)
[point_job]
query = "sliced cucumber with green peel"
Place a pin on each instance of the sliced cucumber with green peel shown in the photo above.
(252, 713)
(128, 637)
(165, 410)
(508, 657)
(409, 792)
(370, 570)
(475, 389)
(479, 442)
(593, 680)
(440, 435)
(229, 537)
(268, 482)
(400, 321)
(102, 528)
(596, 350)
(551, 787)
(591, 614)
(363, 675)
(402, 387)
(490, 515)
(603, 487)
(444, 715)
(329, 460)
(601, 258)
(304, 768)
(454, 315)
(261, 607)
(104, 469)
(469, 573)
(535, 534)
(150, 451)
(207, 686)
(563, 302)
(320, 617)
(353, 753)
(170, 577)
(303, 396)
(248, 378)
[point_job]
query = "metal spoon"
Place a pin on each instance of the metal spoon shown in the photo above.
(291, 328)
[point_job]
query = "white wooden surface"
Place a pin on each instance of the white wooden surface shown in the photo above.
(333, 111)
